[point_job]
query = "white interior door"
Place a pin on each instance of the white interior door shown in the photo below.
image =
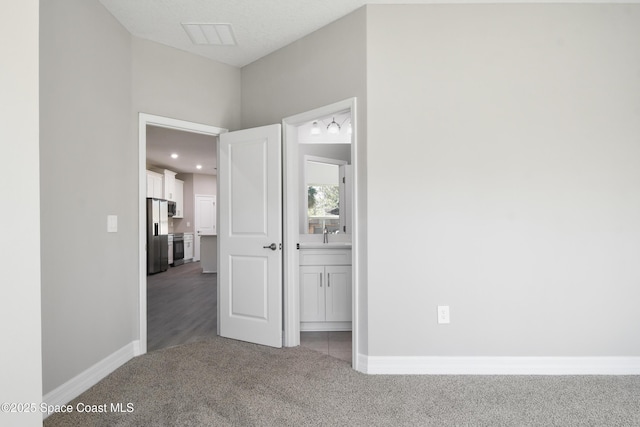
(204, 220)
(250, 235)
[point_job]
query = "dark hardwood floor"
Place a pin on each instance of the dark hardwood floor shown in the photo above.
(181, 306)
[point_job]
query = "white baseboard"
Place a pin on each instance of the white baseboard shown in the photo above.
(435, 365)
(90, 377)
(137, 348)
(325, 326)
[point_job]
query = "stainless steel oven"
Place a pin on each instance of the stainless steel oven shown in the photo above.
(178, 249)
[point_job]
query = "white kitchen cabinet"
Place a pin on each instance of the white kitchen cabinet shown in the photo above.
(325, 290)
(188, 247)
(154, 185)
(179, 199)
(169, 185)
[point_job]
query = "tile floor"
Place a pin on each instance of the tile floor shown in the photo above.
(335, 344)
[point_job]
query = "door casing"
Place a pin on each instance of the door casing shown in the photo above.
(145, 120)
(291, 295)
(291, 230)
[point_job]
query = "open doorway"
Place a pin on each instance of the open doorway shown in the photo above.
(320, 149)
(192, 172)
(290, 266)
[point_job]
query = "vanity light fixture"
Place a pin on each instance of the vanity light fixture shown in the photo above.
(334, 127)
(315, 129)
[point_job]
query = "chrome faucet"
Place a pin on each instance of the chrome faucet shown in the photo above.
(325, 235)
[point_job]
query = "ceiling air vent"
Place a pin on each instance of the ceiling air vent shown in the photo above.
(210, 34)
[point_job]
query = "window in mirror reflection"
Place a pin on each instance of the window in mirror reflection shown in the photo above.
(323, 208)
(323, 197)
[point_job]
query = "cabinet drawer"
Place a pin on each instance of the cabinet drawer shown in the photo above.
(325, 257)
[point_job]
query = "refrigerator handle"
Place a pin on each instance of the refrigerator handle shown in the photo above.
(155, 229)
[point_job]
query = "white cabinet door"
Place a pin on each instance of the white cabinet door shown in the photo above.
(179, 185)
(188, 247)
(170, 185)
(338, 293)
(325, 293)
(154, 185)
(157, 187)
(312, 299)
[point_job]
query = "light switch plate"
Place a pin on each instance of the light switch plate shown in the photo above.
(112, 223)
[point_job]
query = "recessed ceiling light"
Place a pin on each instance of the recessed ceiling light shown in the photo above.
(198, 166)
(174, 156)
(211, 34)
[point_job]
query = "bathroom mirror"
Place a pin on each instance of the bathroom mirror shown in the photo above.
(325, 199)
(325, 184)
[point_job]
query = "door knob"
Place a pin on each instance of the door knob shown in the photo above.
(272, 246)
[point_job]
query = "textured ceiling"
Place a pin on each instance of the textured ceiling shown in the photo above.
(261, 26)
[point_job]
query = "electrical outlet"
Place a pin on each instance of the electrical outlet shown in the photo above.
(112, 223)
(443, 314)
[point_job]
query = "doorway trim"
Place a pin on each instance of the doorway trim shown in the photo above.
(144, 120)
(291, 294)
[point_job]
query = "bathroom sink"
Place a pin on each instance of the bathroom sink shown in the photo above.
(320, 245)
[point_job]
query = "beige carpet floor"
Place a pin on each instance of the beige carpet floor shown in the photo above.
(221, 382)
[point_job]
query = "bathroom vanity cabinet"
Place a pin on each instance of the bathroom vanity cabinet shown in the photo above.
(325, 289)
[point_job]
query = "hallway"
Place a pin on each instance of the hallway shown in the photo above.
(181, 306)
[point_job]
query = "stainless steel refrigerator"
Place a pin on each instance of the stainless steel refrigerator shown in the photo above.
(157, 236)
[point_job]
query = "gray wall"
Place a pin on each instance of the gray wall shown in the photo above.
(88, 171)
(95, 78)
(513, 159)
(205, 184)
(20, 358)
(327, 66)
(171, 83)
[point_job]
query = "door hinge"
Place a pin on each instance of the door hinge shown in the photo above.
(298, 246)
(343, 181)
(344, 228)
